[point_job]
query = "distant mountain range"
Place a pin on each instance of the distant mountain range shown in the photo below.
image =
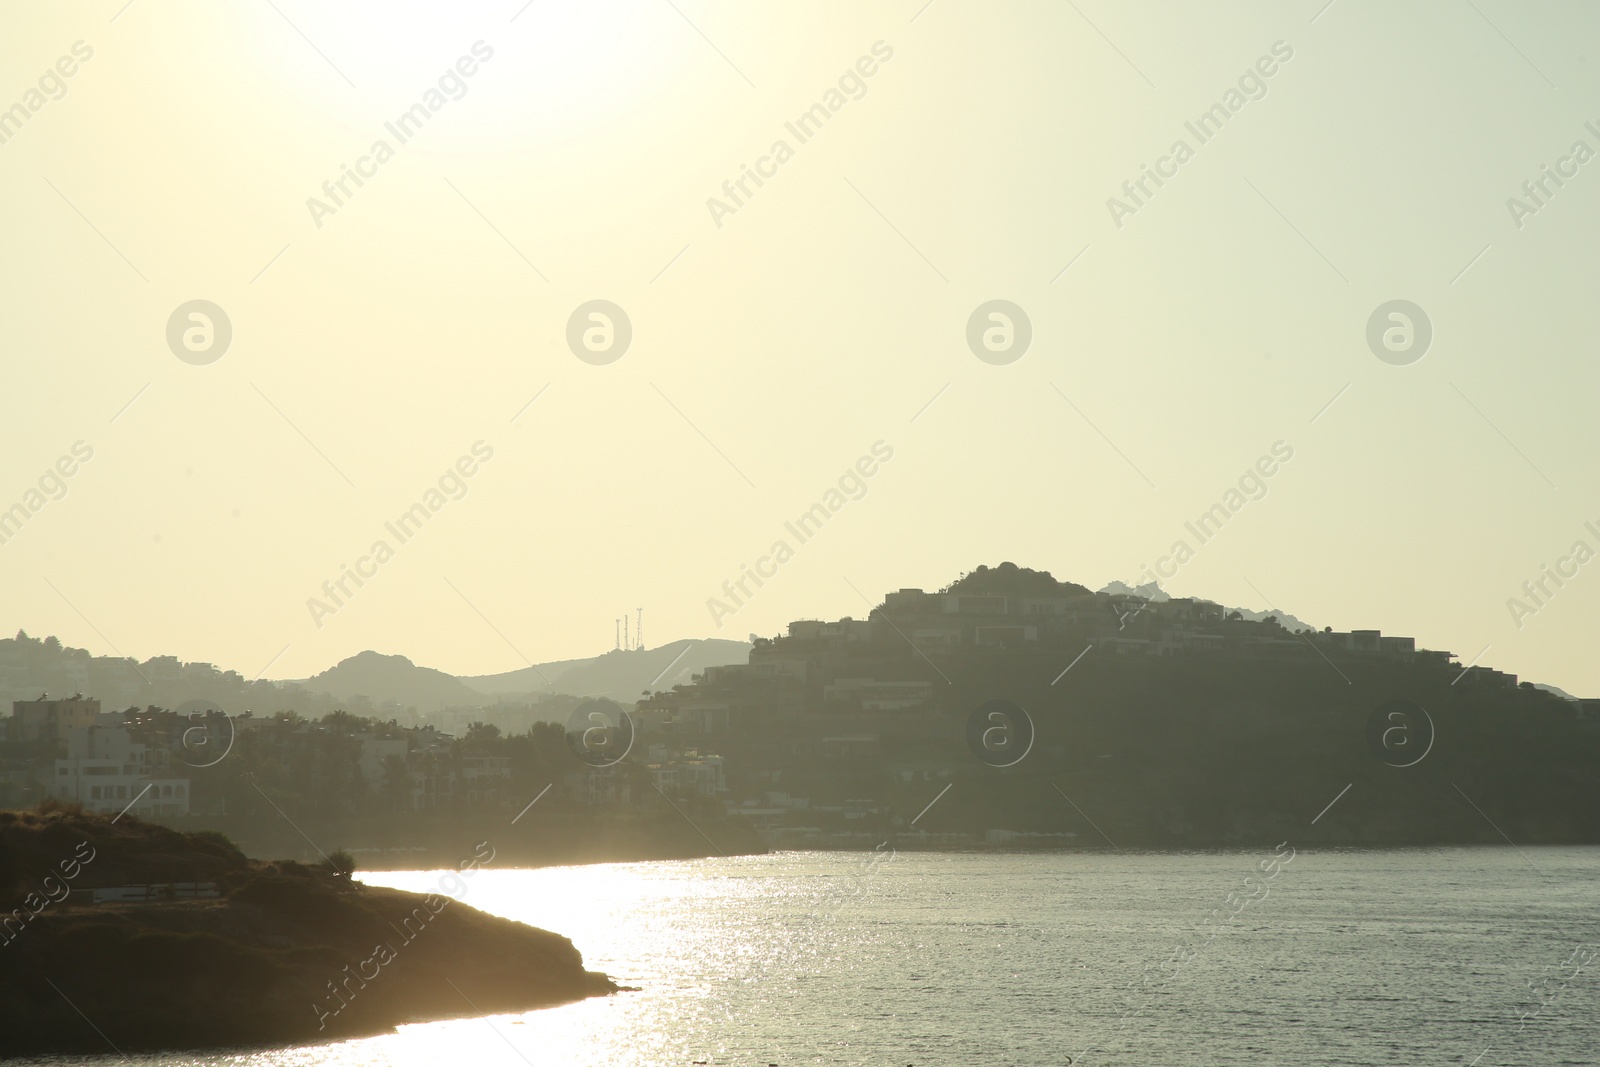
(1153, 591)
(620, 675)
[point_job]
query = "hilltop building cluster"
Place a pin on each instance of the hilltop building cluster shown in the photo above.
(828, 733)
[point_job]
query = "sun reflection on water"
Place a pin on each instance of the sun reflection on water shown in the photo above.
(685, 937)
(945, 959)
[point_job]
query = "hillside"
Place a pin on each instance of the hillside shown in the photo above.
(1008, 579)
(285, 954)
(384, 678)
(617, 674)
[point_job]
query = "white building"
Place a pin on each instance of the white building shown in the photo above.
(693, 773)
(107, 771)
(870, 694)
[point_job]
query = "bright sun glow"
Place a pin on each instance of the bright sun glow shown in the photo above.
(548, 67)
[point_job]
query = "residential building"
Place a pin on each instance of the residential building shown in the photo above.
(486, 779)
(106, 770)
(691, 773)
(873, 695)
(43, 719)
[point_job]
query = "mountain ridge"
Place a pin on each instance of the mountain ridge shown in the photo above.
(620, 674)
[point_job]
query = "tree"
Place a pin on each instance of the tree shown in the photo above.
(482, 731)
(342, 863)
(397, 782)
(341, 721)
(1008, 579)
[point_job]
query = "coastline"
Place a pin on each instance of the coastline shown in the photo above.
(253, 953)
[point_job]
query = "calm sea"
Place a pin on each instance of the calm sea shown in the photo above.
(1484, 956)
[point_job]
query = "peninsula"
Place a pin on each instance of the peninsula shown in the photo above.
(123, 935)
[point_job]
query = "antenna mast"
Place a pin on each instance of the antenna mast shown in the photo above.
(638, 633)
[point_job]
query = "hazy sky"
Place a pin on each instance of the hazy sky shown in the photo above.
(776, 338)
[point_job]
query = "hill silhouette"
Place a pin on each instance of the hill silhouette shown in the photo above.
(384, 678)
(618, 674)
(1008, 579)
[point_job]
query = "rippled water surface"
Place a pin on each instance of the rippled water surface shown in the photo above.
(1407, 957)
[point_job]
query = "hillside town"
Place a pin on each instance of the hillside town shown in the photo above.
(817, 738)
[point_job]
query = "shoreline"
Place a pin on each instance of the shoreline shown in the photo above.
(952, 850)
(235, 953)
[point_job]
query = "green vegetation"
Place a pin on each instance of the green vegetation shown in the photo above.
(342, 864)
